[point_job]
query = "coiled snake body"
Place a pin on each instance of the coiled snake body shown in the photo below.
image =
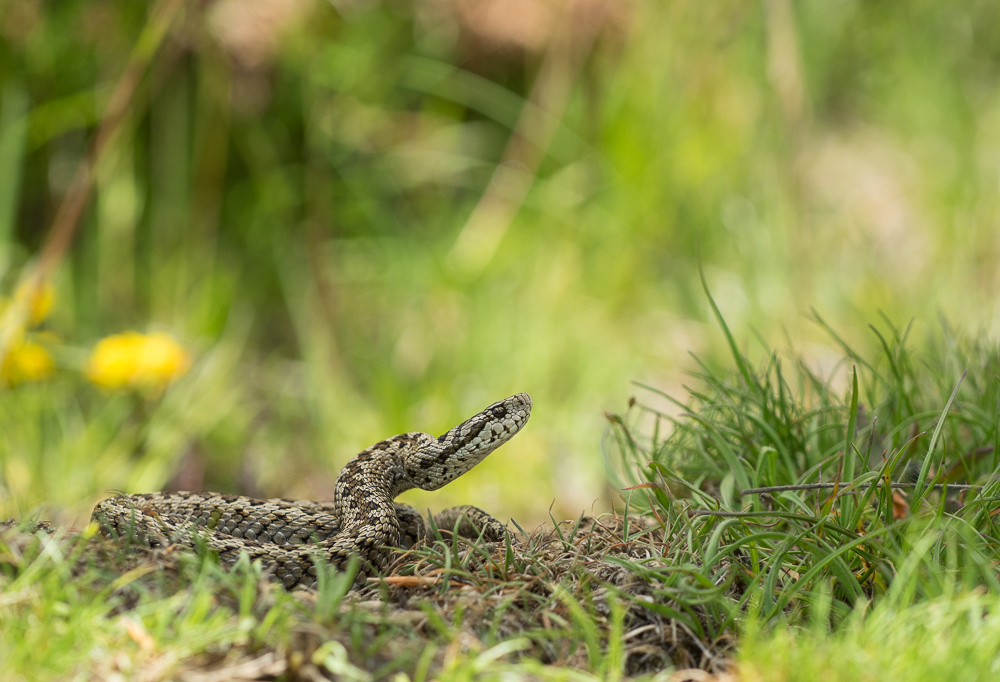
(362, 519)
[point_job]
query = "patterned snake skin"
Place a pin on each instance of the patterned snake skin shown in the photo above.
(362, 520)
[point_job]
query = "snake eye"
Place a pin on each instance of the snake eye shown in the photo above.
(499, 412)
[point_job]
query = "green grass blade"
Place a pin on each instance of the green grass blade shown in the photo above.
(734, 349)
(920, 488)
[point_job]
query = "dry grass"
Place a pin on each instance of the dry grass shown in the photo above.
(562, 597)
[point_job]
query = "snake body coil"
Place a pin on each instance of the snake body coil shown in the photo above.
(362, 519)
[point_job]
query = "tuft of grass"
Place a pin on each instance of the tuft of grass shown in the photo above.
(812, 498)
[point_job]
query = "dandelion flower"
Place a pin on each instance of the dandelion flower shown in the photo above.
(137, 361)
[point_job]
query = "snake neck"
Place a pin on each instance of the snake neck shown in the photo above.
(368, 484)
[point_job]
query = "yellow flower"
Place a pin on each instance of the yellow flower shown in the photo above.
(27, 361)
(137, 361)
(40, 299)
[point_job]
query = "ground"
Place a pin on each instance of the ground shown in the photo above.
(562, 597)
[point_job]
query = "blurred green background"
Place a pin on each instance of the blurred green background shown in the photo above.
(365, 217)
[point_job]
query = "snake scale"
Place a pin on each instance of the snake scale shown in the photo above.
(362, 520)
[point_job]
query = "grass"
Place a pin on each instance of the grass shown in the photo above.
(952, 634)
(556, 606)
(853, 577)
(884, 556)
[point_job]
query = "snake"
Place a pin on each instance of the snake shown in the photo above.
(363, 520)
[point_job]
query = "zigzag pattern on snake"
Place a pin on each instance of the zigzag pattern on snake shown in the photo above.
(362, 520)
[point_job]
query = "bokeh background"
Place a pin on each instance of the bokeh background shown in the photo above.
(363, 217)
